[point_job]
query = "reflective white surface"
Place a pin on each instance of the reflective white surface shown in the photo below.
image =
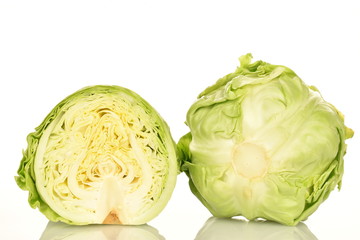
(62, 231)
(214, 228)
(229, 229)
(168, 52)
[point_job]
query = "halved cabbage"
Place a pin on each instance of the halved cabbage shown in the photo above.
(263, 144)
(102, 155)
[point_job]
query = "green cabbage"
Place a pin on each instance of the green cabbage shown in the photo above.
(262, 144)
(102, 155)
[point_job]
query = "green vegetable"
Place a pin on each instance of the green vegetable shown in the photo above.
(102, 155)
(262, 144)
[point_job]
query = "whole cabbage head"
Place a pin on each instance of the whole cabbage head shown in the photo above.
(102, 155)
(263, 144)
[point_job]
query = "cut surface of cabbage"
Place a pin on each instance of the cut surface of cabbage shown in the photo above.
(104, 156)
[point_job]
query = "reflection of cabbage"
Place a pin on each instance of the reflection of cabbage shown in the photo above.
(102, 155)
(262, 144)
(61, 231)
(229, 229)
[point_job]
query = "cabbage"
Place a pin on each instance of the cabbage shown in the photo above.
(263, 144)
(102, 155)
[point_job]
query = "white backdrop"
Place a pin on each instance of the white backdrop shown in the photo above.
(168, 52)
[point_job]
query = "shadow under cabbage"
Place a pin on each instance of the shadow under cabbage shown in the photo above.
(62, 231)
(232, 228)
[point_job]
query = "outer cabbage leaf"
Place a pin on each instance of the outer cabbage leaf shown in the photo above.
(102, 155)
(263, 144)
